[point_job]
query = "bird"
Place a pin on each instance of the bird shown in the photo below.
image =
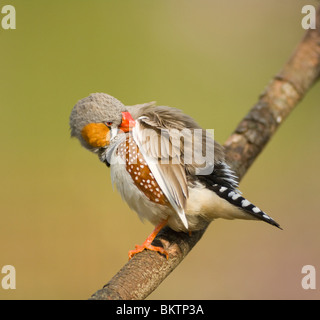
(155, 155)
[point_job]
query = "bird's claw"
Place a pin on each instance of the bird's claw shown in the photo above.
(140, 248)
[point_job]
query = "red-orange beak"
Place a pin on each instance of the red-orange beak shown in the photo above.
(127, 122)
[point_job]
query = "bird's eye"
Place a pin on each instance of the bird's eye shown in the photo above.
(109, 123)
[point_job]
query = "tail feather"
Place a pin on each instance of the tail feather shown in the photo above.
(235, 198)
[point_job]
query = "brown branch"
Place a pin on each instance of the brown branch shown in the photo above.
(144, 273)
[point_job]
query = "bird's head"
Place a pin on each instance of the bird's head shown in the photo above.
(97, 119)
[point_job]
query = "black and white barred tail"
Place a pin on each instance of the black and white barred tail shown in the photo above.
(235, 198)
(224, 182)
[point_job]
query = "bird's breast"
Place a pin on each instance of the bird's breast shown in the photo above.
(139, 171)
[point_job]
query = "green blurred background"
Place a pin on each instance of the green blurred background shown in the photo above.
(63, 227)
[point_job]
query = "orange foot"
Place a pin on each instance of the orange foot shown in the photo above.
(149, 247)
(147, 244)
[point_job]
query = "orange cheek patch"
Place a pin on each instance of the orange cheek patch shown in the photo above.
(95, 134)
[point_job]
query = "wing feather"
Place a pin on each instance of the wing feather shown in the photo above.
(171, 177)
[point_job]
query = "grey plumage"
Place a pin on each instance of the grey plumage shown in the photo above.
(96, 108)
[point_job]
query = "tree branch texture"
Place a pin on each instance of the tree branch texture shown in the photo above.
(145, 271)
